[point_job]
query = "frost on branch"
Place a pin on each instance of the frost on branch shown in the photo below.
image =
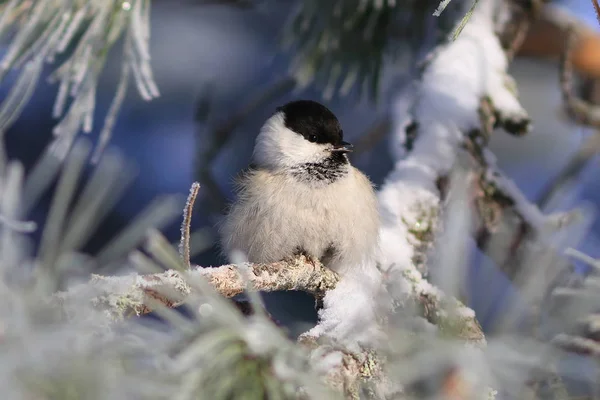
(123, 296)
(463, 94)
(433, 127)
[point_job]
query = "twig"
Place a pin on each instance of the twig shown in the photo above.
(507, 226)
(521, 30)
(184, 244)
(597, 9)
(580, 110)
(18, 226)
(120, 297)
(464, 21)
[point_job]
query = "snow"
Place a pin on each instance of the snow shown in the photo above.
(350, 311)
(446, 106)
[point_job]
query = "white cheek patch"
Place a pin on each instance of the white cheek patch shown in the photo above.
(278, 146)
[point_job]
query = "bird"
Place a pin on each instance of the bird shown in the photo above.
(300, 195)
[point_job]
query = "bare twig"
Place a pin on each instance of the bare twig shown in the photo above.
(580, 110)
(597, 9)
(184, 244)
(464, 21)
(521, 30)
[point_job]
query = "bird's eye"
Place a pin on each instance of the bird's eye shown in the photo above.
(312, 138)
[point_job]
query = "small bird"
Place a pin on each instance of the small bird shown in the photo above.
(302, 196)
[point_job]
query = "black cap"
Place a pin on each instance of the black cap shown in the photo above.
(315, 122)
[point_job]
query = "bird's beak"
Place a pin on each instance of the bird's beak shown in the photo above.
(343, 147)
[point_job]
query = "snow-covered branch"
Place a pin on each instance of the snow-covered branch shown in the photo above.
(296, 274)
(121, 296)
(464, 93)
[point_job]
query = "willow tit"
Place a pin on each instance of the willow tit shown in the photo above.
(302, 196)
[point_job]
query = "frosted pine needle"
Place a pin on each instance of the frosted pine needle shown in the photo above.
(443, 4)
(578, 255)
(86, 31)
(10, 203)
(19, 226)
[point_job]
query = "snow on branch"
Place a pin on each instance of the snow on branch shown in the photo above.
(580, 110)
(121, 296)
(463, 94)
(297, 274)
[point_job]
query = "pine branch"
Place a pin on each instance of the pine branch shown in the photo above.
(121, 296)
(578, 109)
(344, 45)
(507, 226)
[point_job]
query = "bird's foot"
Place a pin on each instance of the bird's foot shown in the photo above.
(309, 258)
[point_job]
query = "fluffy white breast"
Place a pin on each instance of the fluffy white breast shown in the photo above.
(279, 147)
(275, 216)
